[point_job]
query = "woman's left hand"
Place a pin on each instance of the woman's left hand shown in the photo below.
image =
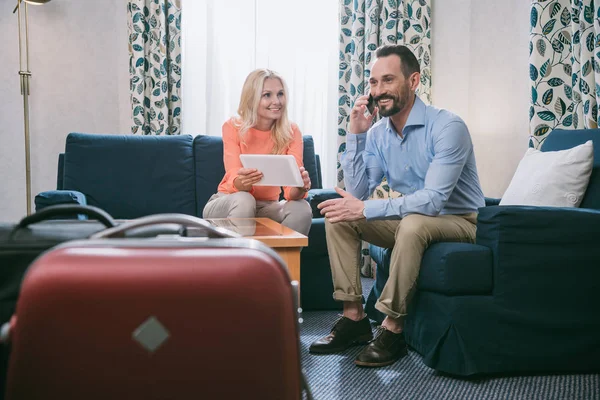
(305, 179)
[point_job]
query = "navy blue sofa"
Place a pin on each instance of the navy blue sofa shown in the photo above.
(524, 298)
(131, 176)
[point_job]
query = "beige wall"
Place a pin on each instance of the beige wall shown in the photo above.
(79, 60)
(480, 70)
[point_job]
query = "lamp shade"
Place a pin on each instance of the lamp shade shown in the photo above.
(37, 2)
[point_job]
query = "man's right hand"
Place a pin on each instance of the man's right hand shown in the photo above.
(246, 178)
(359, 122)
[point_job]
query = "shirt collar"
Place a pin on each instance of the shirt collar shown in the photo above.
(417, 113)
(416, 117)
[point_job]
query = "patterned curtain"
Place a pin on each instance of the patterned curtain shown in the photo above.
(154, 28)
(564, 68)
(366, 25)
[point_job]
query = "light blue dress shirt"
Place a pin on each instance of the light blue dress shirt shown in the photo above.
(433, 165)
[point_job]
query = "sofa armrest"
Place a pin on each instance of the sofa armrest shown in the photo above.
(545, 259)
(54, 197)
(530, 225)
(316, 196)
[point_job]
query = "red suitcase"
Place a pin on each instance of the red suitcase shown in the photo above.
(162, 318)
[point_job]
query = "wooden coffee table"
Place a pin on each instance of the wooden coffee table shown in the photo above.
(285, 241)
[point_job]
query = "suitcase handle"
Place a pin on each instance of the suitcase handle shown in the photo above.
(68, 209)
(187, 221)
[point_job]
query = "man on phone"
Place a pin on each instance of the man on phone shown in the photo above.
(425, 153)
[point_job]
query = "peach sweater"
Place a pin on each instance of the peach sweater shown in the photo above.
(255, 142)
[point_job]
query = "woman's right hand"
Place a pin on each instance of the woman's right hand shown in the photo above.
(246, 178)
(359, 122)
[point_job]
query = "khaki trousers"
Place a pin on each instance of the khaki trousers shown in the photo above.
(409, 237)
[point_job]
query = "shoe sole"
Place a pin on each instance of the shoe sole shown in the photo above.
(361, 341)
(381, 364)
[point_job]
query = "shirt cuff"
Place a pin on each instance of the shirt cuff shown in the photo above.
(356, 141)
(374, 209)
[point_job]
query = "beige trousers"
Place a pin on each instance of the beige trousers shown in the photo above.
(408, 237)
(295, 214)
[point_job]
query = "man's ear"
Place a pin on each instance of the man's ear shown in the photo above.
(415, 79)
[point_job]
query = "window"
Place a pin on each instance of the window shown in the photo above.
(223, 41)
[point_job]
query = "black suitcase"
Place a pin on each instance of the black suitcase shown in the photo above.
(22, 243)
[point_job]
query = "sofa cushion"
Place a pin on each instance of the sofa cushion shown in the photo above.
(61, 171)
(316, 196)
(456, 269)
(447, 268)
(384, 191)
(317, 243)
(210, 170)
(319, 175)
(310, 161)
(561, 139)
(551, 178)
(131, 176)
(315, 273)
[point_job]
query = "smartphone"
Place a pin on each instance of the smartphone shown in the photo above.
(371, 104)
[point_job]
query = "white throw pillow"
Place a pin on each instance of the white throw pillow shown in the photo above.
(551, 178)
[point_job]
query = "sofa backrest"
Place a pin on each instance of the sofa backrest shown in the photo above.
(130, 176)
(61, 172)
(560, 139)
(208, 157)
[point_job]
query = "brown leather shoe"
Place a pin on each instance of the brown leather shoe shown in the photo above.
(387, 348)
(345, 333)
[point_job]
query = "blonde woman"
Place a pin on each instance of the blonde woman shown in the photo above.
(262, 127)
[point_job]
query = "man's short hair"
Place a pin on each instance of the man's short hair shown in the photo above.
(408, 62)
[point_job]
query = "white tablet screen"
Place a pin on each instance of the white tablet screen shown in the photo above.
(278, 170)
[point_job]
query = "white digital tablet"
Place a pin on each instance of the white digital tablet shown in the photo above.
(278, 170)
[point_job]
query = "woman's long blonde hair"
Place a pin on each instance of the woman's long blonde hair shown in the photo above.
(281, 133)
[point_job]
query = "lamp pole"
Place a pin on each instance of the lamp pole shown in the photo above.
(25, 75)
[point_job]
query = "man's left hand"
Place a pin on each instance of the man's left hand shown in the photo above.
(348, 208)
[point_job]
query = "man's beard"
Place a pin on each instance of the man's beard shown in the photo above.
(398, 103)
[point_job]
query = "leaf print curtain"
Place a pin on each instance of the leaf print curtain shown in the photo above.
(564, 69)
(154, 28)
(366, 25)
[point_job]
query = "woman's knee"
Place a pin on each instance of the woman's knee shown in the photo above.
(297, 216)
(298, 207)
(234, 205)
(242, 205)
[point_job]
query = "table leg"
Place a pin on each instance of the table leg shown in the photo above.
(291, 257)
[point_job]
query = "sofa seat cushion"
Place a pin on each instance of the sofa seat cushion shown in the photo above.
(448, 268)
(456, 269)
(131, 176)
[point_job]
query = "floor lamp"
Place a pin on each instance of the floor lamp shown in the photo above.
(25, 75)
